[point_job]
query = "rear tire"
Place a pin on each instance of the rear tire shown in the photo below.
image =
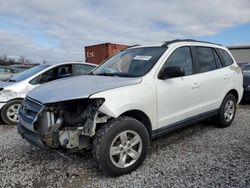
(9, 112)
(226, 112)
(120, 146)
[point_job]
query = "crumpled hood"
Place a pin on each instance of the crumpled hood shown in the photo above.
(78, 87)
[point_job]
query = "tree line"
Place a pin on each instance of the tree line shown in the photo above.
(6, 61)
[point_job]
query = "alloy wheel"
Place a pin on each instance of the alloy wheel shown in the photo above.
(12, 112)
(229, 110)
(125, 149)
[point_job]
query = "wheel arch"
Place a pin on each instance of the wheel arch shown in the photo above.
(141, 117)
(234, 93)
(18, 98)
(4, 112)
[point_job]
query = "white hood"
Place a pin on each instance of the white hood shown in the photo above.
(78, 87)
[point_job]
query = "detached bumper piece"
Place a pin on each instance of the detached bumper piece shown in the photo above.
(30, 136)
(27, 115)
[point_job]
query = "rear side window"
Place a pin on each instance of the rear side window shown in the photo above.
(226, 57)
(83, 69)
(181, 57)
(205, 59)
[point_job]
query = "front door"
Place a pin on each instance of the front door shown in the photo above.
(178, 98)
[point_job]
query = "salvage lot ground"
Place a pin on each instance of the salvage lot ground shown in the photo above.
(198, 156)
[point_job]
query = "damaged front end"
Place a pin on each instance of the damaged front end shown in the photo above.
(66, 125)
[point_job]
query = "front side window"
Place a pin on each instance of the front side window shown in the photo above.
(205, 59)
(53, 74)
(134, 62)
(226, 57)
(181, 57)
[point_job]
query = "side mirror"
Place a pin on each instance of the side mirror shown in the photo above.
(171, 72)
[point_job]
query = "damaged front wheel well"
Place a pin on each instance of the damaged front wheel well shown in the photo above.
(141, 117)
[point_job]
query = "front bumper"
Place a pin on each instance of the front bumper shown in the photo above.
(28, 113)
(30, 136)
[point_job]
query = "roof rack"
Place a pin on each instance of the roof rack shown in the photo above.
(166, 43)
(131, 46)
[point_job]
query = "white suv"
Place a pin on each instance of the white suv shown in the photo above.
(138, 94)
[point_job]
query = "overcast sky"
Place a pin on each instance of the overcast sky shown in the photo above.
(58, 30)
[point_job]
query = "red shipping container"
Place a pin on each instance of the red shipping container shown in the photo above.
(98, 53)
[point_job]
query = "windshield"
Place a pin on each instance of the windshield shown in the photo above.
(26, 74)
(133, 62)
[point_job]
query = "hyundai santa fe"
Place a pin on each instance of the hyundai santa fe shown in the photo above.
(138, 94)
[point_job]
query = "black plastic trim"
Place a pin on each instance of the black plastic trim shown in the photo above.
(194, 59)
(217, 64)
(30, 136)
(183, 123)
(186, 40)
(222, 60)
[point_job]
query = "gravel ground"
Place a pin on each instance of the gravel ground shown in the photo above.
(198, 156)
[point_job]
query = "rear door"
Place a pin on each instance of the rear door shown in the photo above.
(212, 77)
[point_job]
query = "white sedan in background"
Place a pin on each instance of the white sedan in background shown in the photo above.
(13, 90)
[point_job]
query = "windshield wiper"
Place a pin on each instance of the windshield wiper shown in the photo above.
(119, 74)
(90, 73)
(106, 74)
(10, 80)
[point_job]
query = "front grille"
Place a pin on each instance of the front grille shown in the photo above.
(29, 110)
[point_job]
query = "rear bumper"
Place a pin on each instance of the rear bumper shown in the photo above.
(30, 136)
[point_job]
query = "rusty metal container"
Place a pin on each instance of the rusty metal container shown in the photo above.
(98, 53)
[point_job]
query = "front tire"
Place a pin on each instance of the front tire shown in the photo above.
(226, 112)
(9, 112)
(120, 146)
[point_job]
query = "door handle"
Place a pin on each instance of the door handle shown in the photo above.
(196, 85)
